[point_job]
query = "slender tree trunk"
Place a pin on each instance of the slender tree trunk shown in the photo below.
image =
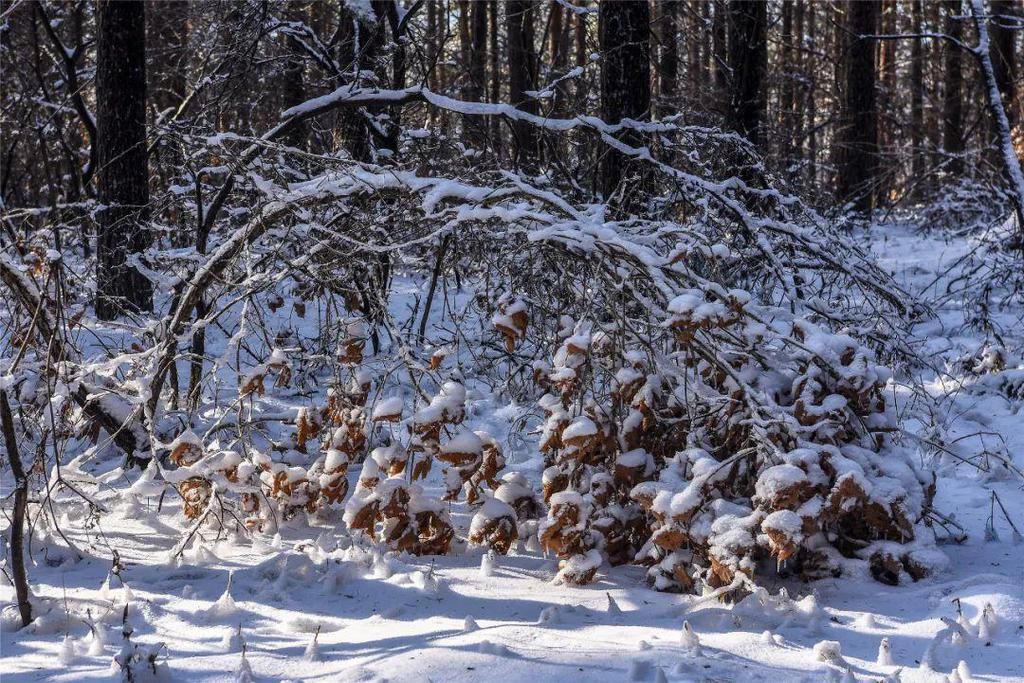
(886, 106)
(788, 77)
(668, 59)
(293, 88)
(933, 79)
(952, 101)
(720, 50)
(1005, 14)
(522, 71)
(1001, 123)
(748, 62)
(858, 139)
(559, 50)
(624, 29)
(19, 575)
(800, 61)
(812, 101)
(693, 57)
(123, 168)
(917, 94)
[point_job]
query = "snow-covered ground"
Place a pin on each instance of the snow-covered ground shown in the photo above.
(468, 617)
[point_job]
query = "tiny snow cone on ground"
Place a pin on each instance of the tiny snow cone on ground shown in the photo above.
(225, 606)
(884, 653)
(830, 652)
(312, 653)
(469, 624)
(67, 651)
(963, 671)
(98, 645)
(244, 673)
(613, 607)
(689, 639)
(233, 641)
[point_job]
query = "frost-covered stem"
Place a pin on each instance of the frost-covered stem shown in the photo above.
(998, 112)
(18, 518)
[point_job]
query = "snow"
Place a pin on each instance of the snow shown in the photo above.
(389, 408)
(384, 615)
(581, 427)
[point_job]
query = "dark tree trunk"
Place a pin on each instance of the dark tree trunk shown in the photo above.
(625, 78)
(917, 93)
(668, 60)
(785, 136)
(858, 136)
(293, 87)
(1004, 62)
(952, 100)
(522, 75)
(475, 89)
(123, 170)
(693, 57)
(812, 102)
(720, 50)
(558, 41)
(748, 62)
(17, 543)
(477, 65)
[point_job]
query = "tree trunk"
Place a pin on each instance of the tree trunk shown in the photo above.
(693, 57)
(787, 75)
(917, 94)
(812, 101)
(19, 575)
(720, 49)
(123, 169)
(952, 100)
(1004, 62)
(668, 59)
(1000, 122)
(625, 78)
(858, 137)
(522, 76)
(748, 62)
(559, 49)
(293, 88)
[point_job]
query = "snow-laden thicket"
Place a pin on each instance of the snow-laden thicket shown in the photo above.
(702, 351)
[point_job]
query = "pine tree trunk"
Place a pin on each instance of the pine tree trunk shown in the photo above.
(917, 94)
(522, 70)
(293, 88)
(786, 72)
(952, 100)
(858, 137)
(123, 171)
(1005, 16)
(625, 78)
(812, 101)
(720, 48)
(748, 63)
(668, 59)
